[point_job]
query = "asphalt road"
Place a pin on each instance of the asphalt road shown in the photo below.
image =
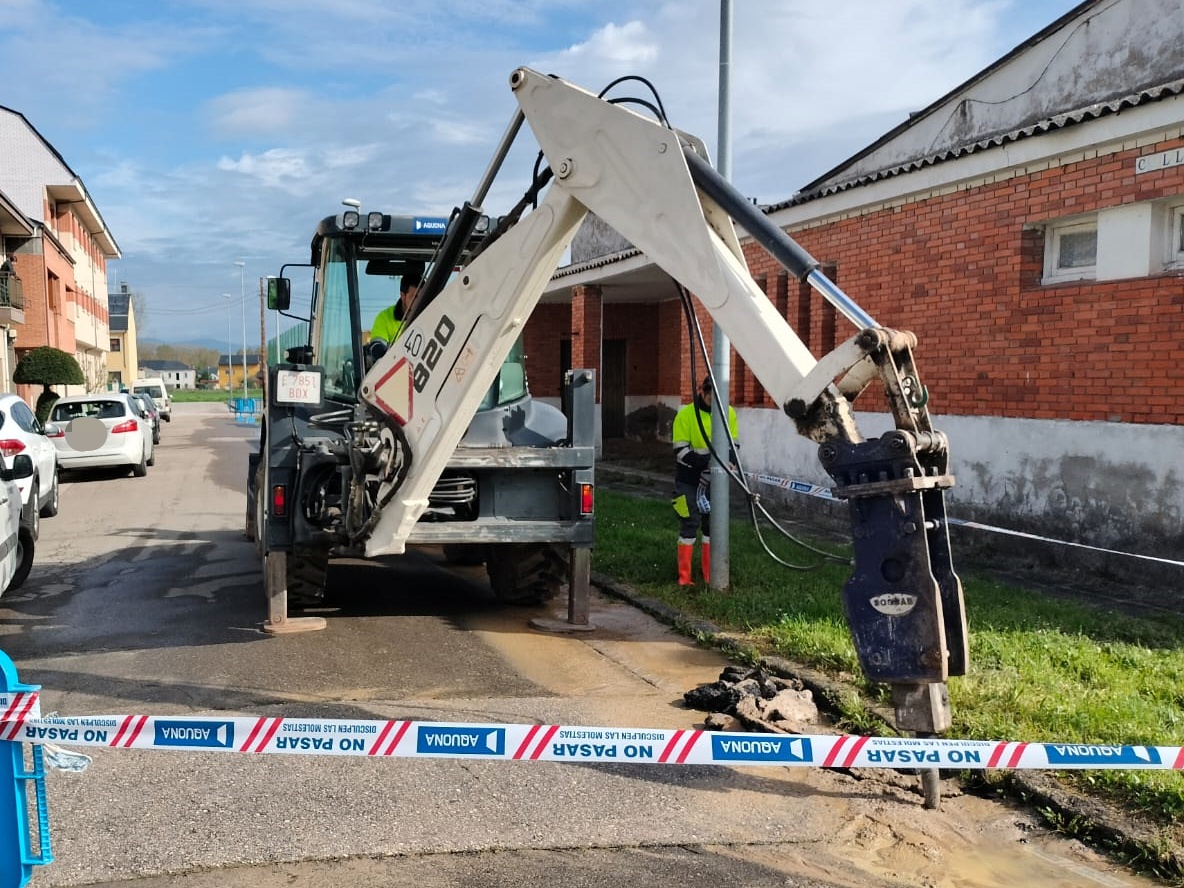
(145, 598)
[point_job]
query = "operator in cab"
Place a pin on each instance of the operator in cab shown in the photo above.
(390, 320)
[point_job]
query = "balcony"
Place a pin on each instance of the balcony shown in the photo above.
(12, 299)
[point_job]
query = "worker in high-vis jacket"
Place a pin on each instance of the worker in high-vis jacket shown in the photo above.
(692, 478)
(390, 320)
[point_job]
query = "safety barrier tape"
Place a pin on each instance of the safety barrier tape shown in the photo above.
(572, 743)
(817, 490)
(17, 707)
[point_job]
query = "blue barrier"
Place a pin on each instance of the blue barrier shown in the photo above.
(17, 856)
(244, 409)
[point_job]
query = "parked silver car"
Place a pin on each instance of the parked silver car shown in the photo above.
(109, 429)
(152, 413)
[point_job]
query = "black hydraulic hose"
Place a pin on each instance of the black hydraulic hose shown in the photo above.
(460, 232)
(780, 245)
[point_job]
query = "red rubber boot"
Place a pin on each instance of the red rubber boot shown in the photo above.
(684, 564)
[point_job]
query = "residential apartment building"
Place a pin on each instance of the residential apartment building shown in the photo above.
(176, 374)
(62, 262)
(1029, 228)
(123, 356)
(15, 228)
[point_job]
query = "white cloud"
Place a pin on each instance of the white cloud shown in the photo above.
(402, 104)
(627, 44)
(257, 111)
(459, 132)
(82, 64)
(278, 168)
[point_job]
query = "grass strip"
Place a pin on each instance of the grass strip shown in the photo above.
(204, 396)
(1041, 669)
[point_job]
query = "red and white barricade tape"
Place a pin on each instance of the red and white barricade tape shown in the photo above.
(567, 743)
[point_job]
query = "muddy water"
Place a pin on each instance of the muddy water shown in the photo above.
(859, 829)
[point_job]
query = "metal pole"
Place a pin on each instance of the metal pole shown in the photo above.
(229, 349)
(720, 578)
(263, 335)
(498, 158)
(242, 293)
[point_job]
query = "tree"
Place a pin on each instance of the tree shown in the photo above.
(139, 307)
(46, 366)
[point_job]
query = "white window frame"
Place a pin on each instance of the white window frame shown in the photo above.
(1174, 254)
(1053, 233)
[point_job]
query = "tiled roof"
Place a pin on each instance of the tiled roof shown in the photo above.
(1048, 124)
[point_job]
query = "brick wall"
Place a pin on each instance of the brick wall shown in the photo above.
(549, 326)
(962, 271)
(638, 324)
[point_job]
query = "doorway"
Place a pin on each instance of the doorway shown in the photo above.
(612, 389)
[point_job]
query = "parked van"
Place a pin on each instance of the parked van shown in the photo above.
(155, 387)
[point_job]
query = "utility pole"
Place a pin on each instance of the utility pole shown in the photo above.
(229, 350)
(721, 561)
(263, 334)
(242, 292)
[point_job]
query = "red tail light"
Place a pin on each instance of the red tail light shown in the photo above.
(60, 433)
(11, 446)
(587, 499)
(279, 501)
(128, 425)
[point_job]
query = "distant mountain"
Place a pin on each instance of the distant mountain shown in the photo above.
(218, 345)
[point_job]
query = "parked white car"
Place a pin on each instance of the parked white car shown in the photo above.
(21, 432)
(91, 431)
(16, 540)
(154, 387)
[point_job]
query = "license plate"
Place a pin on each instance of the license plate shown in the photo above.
(297, 387)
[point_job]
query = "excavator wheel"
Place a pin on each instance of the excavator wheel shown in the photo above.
(255, 516)
(307, 573)
(525, 573)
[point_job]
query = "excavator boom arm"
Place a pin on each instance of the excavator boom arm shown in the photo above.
(652, 184)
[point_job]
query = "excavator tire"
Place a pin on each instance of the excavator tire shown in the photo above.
(307, 573)
(525, 573)
(255, 517)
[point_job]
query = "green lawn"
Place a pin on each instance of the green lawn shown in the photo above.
(1041, 669)
(190, 396)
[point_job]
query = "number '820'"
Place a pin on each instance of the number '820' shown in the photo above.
(432, 348)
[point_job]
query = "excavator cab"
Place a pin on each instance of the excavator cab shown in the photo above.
(520, 514)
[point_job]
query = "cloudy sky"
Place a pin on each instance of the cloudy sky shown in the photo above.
(210, 131)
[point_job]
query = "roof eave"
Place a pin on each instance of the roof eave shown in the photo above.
(75, 193)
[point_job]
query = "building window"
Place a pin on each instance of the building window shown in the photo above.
(1175, 257)
(116, 345)
(1071, 250)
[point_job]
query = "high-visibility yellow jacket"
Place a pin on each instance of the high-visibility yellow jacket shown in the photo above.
(388, 323)
(688, 439)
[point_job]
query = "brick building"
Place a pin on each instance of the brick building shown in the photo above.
(1029, 228)
(62, 263)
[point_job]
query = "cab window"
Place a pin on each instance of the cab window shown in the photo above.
(510, 384)
(334, 340)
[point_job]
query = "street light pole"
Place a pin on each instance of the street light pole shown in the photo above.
(229, 349)
(242, 292)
